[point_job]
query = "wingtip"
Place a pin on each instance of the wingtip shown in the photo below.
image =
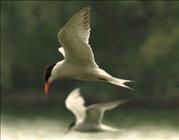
(88, 8)
(76, 91)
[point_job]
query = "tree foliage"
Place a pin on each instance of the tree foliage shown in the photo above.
(131, 39)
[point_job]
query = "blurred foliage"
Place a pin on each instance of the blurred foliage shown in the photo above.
(134, 40)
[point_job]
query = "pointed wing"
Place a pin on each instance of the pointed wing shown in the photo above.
(75, 103)
(74, 38)
(94, 113)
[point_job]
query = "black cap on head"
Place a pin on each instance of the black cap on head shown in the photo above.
(48, 71)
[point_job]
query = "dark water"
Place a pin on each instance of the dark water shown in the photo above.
(50, 123)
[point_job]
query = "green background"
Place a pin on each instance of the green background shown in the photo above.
(133, 40)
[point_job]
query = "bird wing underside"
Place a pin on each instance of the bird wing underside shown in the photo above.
(95, 113)
(75, 103)
(74, 38)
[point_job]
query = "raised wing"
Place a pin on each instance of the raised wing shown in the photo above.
(75, 103)
(94, 113)
(74, 38)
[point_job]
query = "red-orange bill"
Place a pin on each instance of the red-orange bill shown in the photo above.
(46, 88)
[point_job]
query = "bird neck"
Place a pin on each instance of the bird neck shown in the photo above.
(56, 72)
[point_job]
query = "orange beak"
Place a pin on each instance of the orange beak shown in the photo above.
(46, 88)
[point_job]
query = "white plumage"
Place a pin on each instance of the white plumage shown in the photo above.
(75, 103)
(89, 118)
(79, 62)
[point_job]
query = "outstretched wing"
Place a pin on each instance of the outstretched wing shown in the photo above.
(75, 103)
(74, 38)
(94, 113)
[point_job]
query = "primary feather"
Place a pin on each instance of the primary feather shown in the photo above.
(74, 38)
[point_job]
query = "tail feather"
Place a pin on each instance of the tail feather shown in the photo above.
(104, 76)
(119, 82)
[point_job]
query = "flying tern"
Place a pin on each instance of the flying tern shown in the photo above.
(88, 119)
(79, 62)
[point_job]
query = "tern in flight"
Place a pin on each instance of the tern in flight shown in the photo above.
(79, 62)
(88, 119)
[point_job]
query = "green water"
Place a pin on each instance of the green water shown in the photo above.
(50, 123)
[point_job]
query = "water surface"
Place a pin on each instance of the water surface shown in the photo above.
(35, 123)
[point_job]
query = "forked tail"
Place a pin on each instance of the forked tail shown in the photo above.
(119, 82)
(105, 77)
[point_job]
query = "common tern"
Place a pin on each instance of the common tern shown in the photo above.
(79, 62)
(88, 119)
